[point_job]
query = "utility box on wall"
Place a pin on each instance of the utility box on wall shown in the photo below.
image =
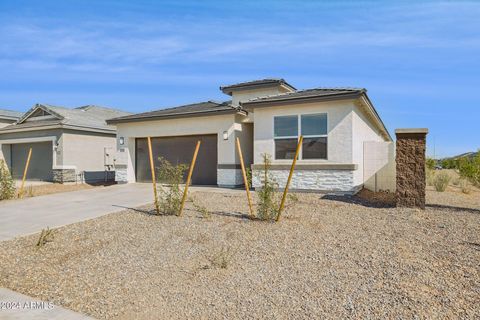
(410, 165)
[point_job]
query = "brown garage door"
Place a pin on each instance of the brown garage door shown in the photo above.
(40, 167)
(179, 150)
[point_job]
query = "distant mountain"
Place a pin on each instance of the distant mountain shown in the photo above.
(463, 155)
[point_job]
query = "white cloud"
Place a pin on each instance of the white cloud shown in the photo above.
(110, 46)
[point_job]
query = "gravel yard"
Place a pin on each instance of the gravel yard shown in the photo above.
(329, 257)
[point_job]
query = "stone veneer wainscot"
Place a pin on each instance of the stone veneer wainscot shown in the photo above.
(335, 178)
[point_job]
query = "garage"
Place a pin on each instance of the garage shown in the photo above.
(178, 150)
(40, 167)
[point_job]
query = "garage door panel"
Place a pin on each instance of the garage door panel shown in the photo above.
(179, 150)
(40, 167)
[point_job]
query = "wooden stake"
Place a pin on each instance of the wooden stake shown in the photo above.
(282, 204)
(20, 193)
(190, 172)
(247, 188)
(154, 180)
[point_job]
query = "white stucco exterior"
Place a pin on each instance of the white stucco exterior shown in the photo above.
(351, 124)
(340, 130)
(218, 124)
(244, 95)
(80, 151)
(349, 128)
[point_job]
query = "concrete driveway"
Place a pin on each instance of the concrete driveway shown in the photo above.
(21, 217)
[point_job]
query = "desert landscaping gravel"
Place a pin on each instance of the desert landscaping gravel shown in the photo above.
(330, 257)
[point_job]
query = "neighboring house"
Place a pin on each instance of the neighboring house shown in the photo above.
(67, 144)
(8, 117)
(268, 116)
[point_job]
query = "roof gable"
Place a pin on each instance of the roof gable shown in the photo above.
(88, 118)
(39, 113)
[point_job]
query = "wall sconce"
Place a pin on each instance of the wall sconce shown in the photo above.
(121, 140)
(225, 135)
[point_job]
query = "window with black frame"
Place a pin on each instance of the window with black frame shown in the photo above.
(286, 136)
(313, 127)
(315, 136)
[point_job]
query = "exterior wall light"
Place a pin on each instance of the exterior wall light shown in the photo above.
(225, 135)
(121, 140)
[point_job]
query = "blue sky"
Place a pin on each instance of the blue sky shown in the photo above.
(420, 61)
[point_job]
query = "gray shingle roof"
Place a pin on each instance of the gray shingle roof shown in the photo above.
(189, 110)
(255, 83)
(87, 117)
(9, 114)
(309, 93)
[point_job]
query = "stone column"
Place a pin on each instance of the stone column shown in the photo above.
(410, 159)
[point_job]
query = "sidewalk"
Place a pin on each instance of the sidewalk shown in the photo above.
(16, 306)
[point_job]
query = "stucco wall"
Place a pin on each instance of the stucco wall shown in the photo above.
(177, 127)
(4, 137)
(363, 131)
(339, 130)
(244, 95)
(83, 151)
(379, 166)
(245, 135)
(86, 150)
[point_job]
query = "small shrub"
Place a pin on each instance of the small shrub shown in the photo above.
(268, 197)
(456, 181)
(248, 173)
(170, 196)
(465, 186)
(430, 163)
(7, 185)
(470, 169)
(45, 236)
(430, 176)
(222, 258)
(441, 181)
(206, 214)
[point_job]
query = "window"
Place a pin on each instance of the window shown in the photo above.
(313, 127)
(314, 131)
(286, 136)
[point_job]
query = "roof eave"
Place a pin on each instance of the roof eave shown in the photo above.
(377, 116)
(58, 126)
(289, 100)
(229, 89)
(177, 116)
(3, 117)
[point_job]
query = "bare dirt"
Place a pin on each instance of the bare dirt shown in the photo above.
(330, 257)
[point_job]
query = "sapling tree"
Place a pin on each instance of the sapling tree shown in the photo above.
(7, 185)
(267, 195)
(170, 191)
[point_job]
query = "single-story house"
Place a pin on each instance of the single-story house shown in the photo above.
(8, 117)
(67, 144)
(268, 116)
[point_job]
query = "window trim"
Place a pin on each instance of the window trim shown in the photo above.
(299, 128)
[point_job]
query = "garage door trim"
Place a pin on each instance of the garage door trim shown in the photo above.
(53, 139)
(209, 174)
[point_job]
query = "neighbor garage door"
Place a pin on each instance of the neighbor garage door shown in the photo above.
(40, 167)
(179, 150)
